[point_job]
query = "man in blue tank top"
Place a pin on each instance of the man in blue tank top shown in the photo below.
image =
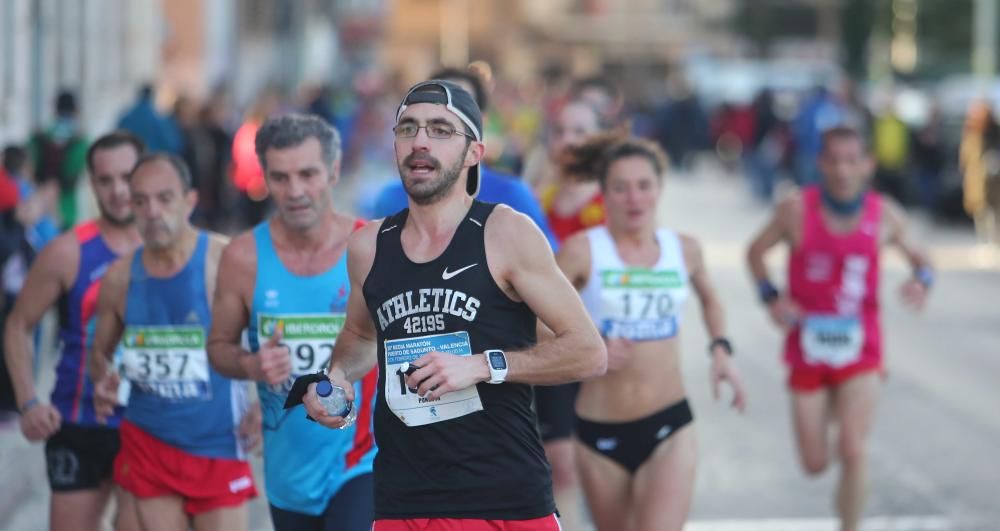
(286, 281)
(79, 452)
(181, 454)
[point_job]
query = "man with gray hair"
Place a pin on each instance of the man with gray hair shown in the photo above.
(286, 282)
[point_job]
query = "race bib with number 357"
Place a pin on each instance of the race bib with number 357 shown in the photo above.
(308, 337)
(832, 340)
(411, 408)
(167, 361)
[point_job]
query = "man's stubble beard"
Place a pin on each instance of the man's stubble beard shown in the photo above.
(438, 189)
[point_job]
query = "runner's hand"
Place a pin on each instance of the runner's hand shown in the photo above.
(250, 426)
(40, 422)
(619, 352)
(914, 294)
(441, 373)
(723, 370)
(106, 396)
(784, 312)
(275, 362)
(317, 411)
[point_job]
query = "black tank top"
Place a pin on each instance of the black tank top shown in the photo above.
(457, 460)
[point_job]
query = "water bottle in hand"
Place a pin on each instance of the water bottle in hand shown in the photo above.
(335, 402)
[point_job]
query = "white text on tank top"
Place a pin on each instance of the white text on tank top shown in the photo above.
(635, 303)
(424, 311)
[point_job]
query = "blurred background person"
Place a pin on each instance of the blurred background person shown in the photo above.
(59, 155)
(929, 158)
(142, 119)
(680, 125)
(570, 203)
(819, 112)
(891, 144)
(770, 143)
(247, 175)
(979, 158)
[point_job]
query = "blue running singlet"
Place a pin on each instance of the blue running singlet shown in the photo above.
(176, 395)
(73, 394)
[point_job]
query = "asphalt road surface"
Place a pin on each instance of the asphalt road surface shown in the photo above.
(933, 450)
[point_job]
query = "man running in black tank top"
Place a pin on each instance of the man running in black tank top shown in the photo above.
(452, 286)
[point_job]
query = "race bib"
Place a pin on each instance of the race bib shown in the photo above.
(167, 361)
(411, 408)
(308, 337)
(831, 340)
(639, 305)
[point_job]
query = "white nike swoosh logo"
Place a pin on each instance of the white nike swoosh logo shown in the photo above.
(446, 274)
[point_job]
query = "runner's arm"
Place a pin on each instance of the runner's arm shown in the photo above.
(898, 235)
(573, 260)
(712, 312)
(110, 317)
(48, 278)
(355, 352)
(230, 310)
(577, 352)
(775, 232)
(722, 368)
(914, 291)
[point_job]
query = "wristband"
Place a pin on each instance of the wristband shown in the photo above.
(32, 402)
(766, 291)
(300, 386)
(925, 276)
(721, 342)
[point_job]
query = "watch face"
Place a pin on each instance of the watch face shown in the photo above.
(497, 360)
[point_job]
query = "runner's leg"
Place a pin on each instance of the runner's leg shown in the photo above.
(663, 486)
(811, 417)
(235, 518)
(162, 513)
(79, 509)
(283, 520)
(126, 513)
(606, 485)
(353, 508)
(854, 402)
(565, 482)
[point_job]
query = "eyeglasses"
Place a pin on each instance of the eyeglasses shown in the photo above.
(439, 131)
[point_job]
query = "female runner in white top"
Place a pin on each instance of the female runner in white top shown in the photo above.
(636, 446)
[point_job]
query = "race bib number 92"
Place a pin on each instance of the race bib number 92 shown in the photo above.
(308, 337)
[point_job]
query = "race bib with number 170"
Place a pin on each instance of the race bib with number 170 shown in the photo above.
(638, 304)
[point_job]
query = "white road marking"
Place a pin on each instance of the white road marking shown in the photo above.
(876, 523)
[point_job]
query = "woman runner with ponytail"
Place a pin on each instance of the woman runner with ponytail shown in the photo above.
(636, 448)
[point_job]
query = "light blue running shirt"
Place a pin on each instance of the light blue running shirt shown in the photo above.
(305, 464)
